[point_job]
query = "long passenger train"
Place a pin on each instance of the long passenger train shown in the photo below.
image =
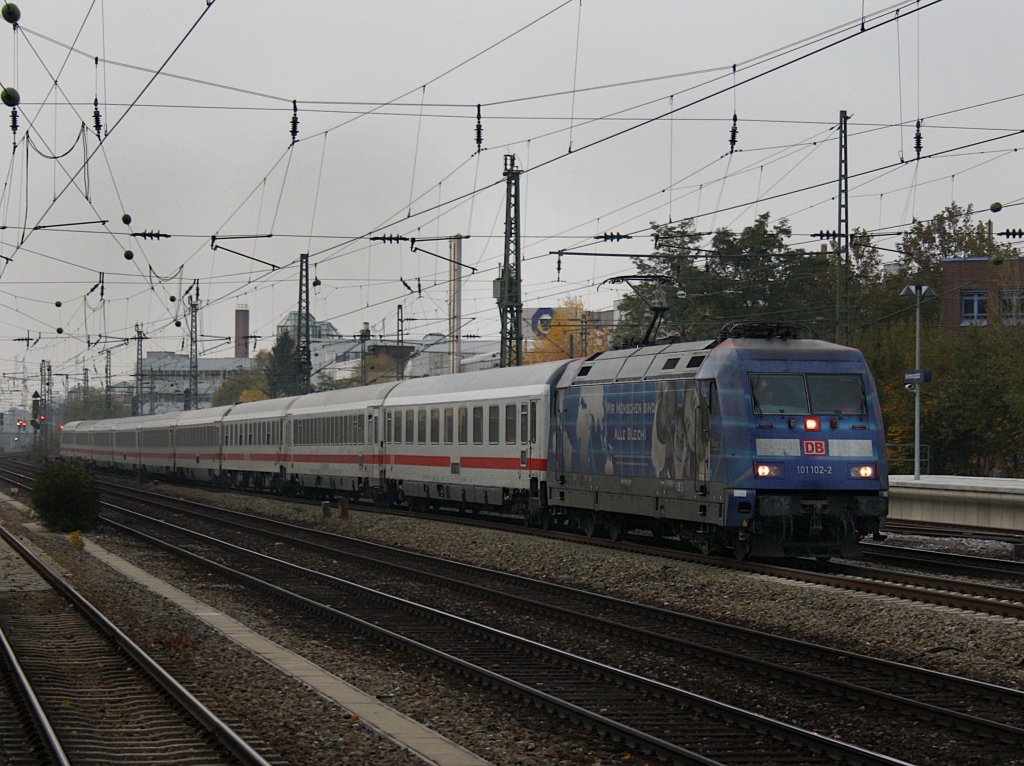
(756, 442)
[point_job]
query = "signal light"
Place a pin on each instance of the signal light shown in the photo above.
(768, 470)
(862, 471)
(812, 424)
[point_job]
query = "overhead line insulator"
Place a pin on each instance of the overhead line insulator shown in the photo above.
(97, 120)
(479, 130)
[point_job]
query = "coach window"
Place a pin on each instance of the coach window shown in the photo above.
(388, 426)
(435, 425)
(533, 422)
(398, 426)
(449, 424)
(361, 433)
(510, 424)
(494, 424)
(463, 425)
(421, 426)
(524, 422)
(478, 425)
(410, 426)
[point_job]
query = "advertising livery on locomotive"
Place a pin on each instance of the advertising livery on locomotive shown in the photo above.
(755, 443)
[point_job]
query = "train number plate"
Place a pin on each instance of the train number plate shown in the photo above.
(814, 470)
(815, 447)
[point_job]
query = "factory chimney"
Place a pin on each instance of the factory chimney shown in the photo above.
(242, 332)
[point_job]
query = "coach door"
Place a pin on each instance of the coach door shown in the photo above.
(528, 429)
(375, 446)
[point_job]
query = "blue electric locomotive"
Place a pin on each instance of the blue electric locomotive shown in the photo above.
(756, 442)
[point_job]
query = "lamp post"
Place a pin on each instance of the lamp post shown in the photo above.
(918, 376)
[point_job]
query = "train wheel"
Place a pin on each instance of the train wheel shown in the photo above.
(588, 523)
(705, 540)
(614, 527)
(741, 550)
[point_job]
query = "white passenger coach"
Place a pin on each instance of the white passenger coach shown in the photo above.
(475, 440)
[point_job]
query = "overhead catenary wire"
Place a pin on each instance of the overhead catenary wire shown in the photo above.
(431, 189)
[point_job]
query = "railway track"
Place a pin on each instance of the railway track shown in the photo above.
(82, 692)
(931, 529)
(930, 589)
(990, 713)
(938, 589)
(957, 563)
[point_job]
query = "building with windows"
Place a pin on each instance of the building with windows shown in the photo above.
(165, 380)
(976, 291)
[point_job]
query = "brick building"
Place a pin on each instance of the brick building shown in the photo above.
(976, 291)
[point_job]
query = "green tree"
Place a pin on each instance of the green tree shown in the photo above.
(282, 370)
(91, 404)
(762, 278)
(953, 233)
(750, 275)
(676, 248)
(972, 418)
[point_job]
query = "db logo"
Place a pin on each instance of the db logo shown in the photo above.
(814, 447)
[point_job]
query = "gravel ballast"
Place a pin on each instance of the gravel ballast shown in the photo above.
(305, 729)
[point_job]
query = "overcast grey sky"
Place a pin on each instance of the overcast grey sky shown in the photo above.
(196, 108)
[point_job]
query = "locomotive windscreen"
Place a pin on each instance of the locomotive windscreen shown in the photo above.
(797, 394)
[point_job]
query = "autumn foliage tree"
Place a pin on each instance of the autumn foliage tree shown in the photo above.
(572, 333)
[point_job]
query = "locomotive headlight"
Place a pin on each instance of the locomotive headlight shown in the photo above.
(862, 472)
(812, 424)
(768, 470)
